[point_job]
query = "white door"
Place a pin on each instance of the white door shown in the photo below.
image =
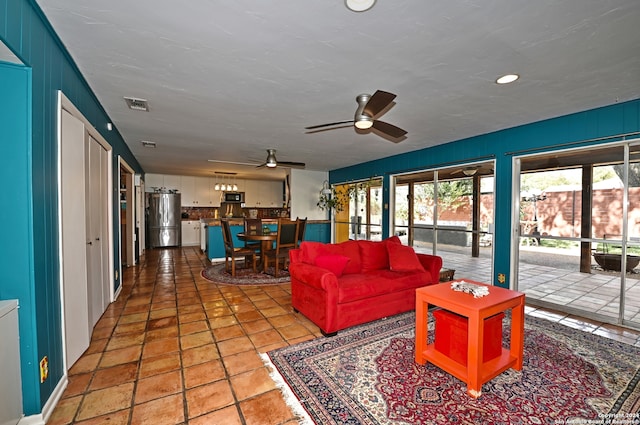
(74, 267)
(96, 215)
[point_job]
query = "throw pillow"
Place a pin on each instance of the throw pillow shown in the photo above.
(373, 255)
(334, 263)
(403, 258)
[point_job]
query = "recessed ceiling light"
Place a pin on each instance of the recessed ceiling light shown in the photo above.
(359, 5)
(506, 79)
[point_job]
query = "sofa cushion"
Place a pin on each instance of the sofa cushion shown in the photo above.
(351, 250)
(353, 287)
(403, 258)
(373, 255)
(310, 250)
(332, 262)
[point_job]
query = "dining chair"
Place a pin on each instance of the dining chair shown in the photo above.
(252, 226)
(231, 253)
(286, 239)
(302, 224)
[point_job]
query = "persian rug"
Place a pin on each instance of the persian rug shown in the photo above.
(367, 375)
(217, 274)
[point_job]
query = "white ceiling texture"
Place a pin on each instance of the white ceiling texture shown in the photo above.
(226, 80)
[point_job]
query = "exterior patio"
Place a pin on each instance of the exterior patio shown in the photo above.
(550, 279)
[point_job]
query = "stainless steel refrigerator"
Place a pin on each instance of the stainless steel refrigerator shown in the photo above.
(164, 219)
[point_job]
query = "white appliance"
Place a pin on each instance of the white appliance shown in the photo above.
(10, 380)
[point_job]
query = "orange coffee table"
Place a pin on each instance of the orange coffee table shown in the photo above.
(475, 372)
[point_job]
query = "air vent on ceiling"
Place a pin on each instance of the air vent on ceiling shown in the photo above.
(148, 144)
(137, 104)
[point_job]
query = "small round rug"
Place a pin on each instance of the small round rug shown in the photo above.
(217, 274)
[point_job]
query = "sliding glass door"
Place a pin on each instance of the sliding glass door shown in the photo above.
(579, 231)
(449, 212)
(361, 214)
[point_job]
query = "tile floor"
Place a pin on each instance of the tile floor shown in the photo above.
(177, 349)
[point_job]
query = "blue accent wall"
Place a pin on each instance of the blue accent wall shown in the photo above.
(29, 253)
(586, 128)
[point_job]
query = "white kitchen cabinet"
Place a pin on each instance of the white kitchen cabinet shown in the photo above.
(251, 193)
(198, 192)
(263, 193)
(153, 182)
(161, 181)
(191, 233)
(204, 192)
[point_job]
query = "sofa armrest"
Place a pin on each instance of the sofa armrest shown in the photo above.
(314, 276)
(432, 264)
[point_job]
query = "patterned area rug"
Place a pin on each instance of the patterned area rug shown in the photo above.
(216, 273)
(367, 375)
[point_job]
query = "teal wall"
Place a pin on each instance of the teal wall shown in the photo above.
(609, 122)
(29, 253)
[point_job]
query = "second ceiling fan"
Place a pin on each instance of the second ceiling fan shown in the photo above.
(270, 162)
(365, 117)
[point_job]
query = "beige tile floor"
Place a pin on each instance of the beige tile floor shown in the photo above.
(177, 349)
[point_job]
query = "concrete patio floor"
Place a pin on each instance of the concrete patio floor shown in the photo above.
(550, 278)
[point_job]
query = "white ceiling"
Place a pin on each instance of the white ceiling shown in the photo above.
(228, 79)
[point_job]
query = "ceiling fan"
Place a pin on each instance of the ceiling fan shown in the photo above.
(471, 170)
(365, 117)
(270, 162)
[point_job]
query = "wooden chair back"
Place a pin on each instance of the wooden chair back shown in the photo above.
(302, 224)
(287, 236)
(252, 226)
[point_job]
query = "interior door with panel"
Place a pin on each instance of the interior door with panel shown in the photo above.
(74, 249)
(94, 189)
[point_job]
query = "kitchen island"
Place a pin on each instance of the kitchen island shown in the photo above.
(316, 230)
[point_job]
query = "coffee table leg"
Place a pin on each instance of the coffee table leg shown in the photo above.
(474, 353)
(421, 329)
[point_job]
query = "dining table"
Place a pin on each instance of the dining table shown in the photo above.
(266, 241)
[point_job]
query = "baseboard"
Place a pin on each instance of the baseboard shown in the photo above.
(49, 406)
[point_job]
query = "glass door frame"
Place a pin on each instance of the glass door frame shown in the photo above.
(624, 241)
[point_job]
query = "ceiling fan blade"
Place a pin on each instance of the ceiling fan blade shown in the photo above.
(379, 101)
(327, 125)
(389, 129)
(231, 162)
(291, 164)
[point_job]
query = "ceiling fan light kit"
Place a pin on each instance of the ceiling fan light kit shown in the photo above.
(469, 171)
(271, 158)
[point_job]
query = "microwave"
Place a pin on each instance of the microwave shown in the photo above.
(234, 197)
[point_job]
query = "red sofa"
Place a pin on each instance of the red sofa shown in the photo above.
(341, 285)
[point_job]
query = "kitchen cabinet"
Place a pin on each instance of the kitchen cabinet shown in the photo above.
(197, 192)
(191, 233)
(158, 181)
(200, 191)
(263, 193)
